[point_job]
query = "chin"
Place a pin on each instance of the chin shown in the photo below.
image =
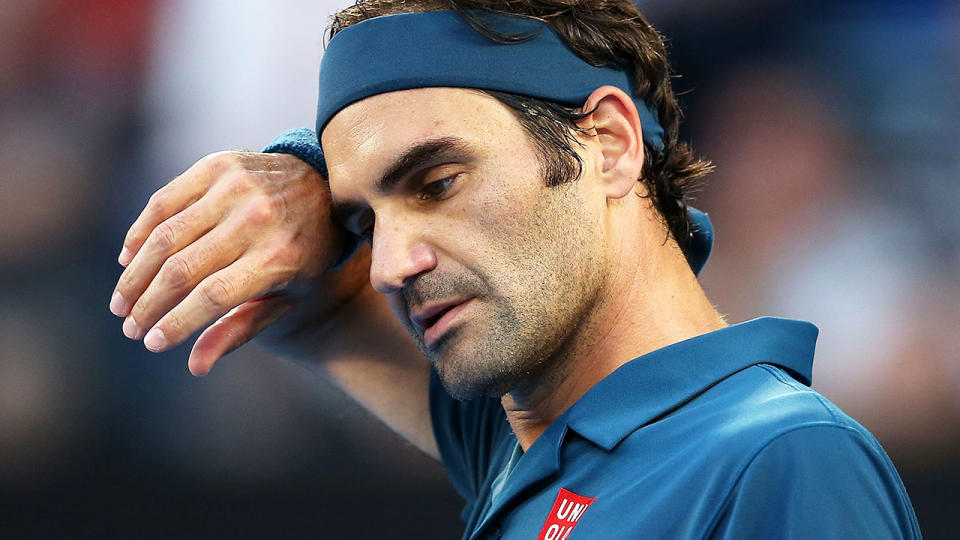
(463, 388)
(467, 373)
(474, 361)
(473, 376)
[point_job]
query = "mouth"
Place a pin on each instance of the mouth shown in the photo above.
(437, 319)
(430, 321)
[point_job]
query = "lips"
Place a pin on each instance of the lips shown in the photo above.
(437, 319)
(429, 315)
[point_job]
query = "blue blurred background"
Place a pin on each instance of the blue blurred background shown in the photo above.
(834, 127)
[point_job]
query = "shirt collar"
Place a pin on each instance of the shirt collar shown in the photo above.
(655, 383)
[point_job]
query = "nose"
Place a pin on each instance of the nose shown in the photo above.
(397, 256)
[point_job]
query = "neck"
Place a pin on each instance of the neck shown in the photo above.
(653, 300)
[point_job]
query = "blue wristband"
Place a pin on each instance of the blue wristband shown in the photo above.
(300, 142)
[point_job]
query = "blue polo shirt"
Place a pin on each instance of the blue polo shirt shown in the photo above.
(718, 436)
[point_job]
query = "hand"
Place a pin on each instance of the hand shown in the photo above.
(223, 241)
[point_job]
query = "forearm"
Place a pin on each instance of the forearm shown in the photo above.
(352, 337)
(377, 364)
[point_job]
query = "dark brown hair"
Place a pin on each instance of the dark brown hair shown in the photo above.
(602, 32)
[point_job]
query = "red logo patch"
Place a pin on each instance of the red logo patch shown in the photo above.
(566, 512)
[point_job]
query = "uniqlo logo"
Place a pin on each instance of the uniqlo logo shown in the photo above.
(564, 516)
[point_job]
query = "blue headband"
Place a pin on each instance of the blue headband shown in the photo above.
(441, 49)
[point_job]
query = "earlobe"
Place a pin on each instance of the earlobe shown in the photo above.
(616, 124)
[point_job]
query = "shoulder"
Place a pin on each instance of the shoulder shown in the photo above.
(762, 403)
(798, 464)
(823, 481)
(762, 414)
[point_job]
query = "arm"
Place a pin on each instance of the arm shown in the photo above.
(362, 347)
(228, 242)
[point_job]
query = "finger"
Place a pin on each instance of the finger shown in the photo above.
(186, 269)
(234, 329)
(171, 199)
(246, 278)
(166, 239)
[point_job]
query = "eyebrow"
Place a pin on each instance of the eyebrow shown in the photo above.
(420, 156)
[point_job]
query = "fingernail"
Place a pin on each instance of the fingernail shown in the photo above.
(130, 328)
(118, 306)
(155, 340)
(125, 256)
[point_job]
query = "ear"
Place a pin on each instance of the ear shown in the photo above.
(619, 139)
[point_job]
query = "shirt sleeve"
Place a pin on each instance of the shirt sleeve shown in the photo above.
(823, 481)
(474, 439)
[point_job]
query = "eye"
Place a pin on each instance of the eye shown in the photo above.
(438, 190)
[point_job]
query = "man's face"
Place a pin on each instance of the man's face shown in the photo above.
(490, 270)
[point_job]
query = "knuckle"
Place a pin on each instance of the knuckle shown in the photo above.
(165, 235)
(172, 325)
(284, 262)
(286, 254)
(218, 293)
(125, 284)
(141, 308)
(159, 201)
(133, 237)
(261, 210)
(219, 160)
(177, 272)
(241, 183)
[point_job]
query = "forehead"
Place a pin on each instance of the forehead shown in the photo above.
(365, 138)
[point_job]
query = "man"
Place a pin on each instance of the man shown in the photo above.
(520, 185)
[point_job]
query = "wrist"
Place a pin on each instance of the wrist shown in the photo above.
(302, 143)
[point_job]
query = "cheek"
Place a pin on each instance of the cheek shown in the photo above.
(533, 238)
(517, 233)
(502, 215)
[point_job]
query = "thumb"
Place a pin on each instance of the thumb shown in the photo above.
(237, 327)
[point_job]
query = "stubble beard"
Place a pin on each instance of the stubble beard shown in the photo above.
(482, 356)
(519, 324)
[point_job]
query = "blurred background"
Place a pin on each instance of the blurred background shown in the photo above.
(834, 126)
